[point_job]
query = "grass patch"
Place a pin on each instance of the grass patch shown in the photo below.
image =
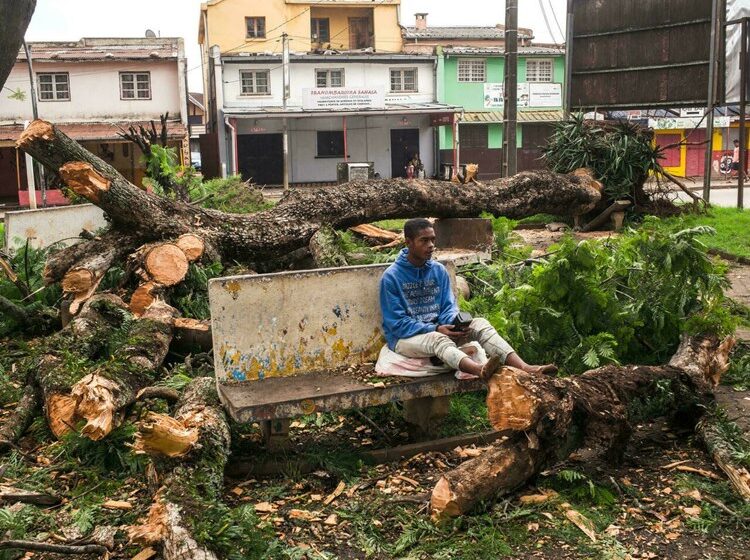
(732, 229)
(393, 225)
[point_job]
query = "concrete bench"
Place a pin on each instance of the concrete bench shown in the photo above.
(295, 343)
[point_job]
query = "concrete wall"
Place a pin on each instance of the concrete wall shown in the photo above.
(356, 74)
(95, 92)
(369, 139)
(46, 226)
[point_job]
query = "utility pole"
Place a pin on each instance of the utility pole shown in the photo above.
(743, 109)
(37, 172)
(712, 65)
(510, 116)
(569, 60)
(285, 124)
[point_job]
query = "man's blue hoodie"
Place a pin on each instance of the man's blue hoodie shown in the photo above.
(415, 300)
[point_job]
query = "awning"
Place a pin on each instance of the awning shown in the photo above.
(299, 113)
(95, 131)
(531, 116)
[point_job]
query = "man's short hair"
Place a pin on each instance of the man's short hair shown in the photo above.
(414, 226)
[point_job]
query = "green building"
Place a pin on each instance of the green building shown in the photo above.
(472, 78)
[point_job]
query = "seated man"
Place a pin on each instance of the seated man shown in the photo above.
(419, 308)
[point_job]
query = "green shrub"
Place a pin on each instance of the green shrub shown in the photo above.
(592, 303)
(231, 195)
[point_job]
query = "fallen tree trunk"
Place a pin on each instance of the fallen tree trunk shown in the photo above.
(544, 414)
(722, 454)
(198, 438)
(291, 224)
(102, 396)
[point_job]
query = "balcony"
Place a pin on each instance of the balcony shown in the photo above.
(342, 28)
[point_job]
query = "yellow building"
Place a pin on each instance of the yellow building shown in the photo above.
(347, 97)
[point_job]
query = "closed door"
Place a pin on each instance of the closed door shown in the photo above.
(359, 33)
(404, 146)
(261, 158)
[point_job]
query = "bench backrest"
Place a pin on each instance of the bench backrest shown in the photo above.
(293, 323)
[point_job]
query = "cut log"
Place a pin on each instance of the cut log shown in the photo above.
(194, 483)
(91, 251)
(723, 455)
(84, 337)
(163, 263)
(290, 225)
(143, 296)
(102, 395)
(540, 414)
(26, 410)
(191, 245)
(377, 234)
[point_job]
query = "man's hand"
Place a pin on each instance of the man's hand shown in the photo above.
(450, 330)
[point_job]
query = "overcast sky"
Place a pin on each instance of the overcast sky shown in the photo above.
(57, 20)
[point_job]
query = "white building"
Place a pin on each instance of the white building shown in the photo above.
(91, 89)
(351, 106)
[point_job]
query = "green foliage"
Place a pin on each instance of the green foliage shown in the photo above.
(593, 303)
(28, 263)
(233, 533)
(111, 454)
(621, 155)
(582, 488)
(738, 374)
(231, 195)
(16, 523)
(191, 295)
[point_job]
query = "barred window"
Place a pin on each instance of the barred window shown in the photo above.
(329, 78)
(135, 85)
(538, 70)
(472, 70)
(255, 27)
(403, 80)
(54, 87)
(255, 82)
(473, 135)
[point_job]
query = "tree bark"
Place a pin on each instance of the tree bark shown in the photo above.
(102, 395)
(26, 410)
(15, 16)
(198, 436)
(722, 454)
(291, 224)
(542, 414)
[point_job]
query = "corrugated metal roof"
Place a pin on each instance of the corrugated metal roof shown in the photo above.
(460, 32)
(530, 116)
(94, 130)
(500, 51)
(103, 49)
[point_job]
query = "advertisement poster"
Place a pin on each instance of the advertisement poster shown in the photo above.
(544, 94)
(493, 96)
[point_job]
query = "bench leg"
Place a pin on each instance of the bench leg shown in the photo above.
(426, 414)
(276, 434)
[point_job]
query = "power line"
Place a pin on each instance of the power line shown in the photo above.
(546, 21)
(557, 23)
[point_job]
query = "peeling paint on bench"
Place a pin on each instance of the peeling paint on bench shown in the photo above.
(46, 226)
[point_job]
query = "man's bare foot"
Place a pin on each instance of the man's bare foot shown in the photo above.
(492, 366)
(547, 369)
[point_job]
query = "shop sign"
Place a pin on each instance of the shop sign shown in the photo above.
(544, 94)
(343, 98)
(679, 123)
(493, 96)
